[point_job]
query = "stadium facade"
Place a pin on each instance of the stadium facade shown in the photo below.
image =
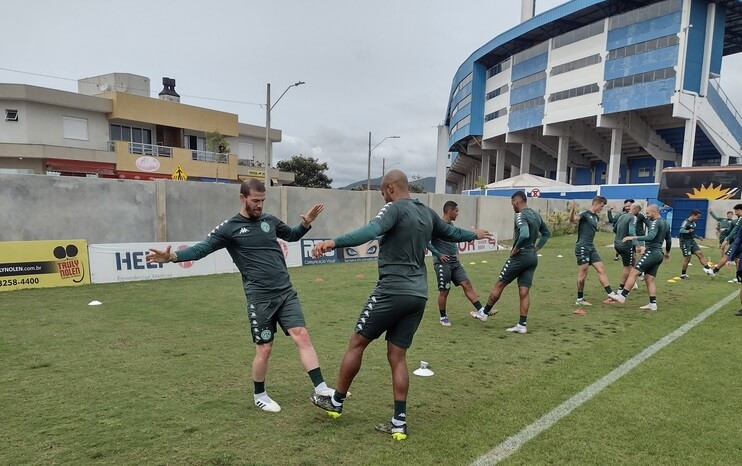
(596, 92)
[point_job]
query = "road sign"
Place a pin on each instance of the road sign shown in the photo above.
(535, 192)
(180, 174)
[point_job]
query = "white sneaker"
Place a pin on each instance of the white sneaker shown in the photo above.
(649, 307)
(614, 296)
(266, 404)
(479, 315)
(710, 272)
(733, 280)
(636, 287)
(517, 329)
(325, 391)
(619, 298)
(582, 302)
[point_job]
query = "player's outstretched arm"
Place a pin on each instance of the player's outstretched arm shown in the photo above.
(161, 256)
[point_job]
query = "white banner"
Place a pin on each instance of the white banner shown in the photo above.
(478, 245)
(110, 263)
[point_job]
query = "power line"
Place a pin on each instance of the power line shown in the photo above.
(151, 92)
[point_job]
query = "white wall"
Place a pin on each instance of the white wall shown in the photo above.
(498, 126)
(45, 126)
(13, 131)
(576, 107)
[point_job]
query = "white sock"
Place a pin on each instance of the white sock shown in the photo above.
(262, 397)
(320, 387)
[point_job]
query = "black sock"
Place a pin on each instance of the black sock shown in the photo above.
(625, 292)
(338, 397)
(580, 295)
(608, 289)
(259, 386)
(653, 299)
(707, 266)
(684, 270)
(522, 320)
(316, 376)
(716, 269)
(443, 312)
(620, 287)
(400, 408)
(487, 309)
(478, 305)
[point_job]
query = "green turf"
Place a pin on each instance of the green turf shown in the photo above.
(159, 374)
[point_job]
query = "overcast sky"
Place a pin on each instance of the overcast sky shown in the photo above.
(382, 66)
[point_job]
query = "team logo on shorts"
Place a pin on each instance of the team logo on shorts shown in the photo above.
(265, 227)
(266, 334)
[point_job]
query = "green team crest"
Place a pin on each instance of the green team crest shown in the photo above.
(266, 335)
(265, 227)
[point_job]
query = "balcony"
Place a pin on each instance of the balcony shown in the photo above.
(144, 149)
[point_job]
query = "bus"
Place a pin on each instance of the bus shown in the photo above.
(709, 183)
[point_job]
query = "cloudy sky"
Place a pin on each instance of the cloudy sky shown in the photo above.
(382, 66)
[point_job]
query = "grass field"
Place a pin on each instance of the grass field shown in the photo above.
(159, 374)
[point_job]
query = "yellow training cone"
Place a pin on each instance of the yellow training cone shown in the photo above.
(676, 278)
(484, 262)
(671, 281)
(472, 263)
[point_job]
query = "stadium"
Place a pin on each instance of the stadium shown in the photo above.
(595, 92)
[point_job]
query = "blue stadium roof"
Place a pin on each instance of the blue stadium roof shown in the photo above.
(572, 15)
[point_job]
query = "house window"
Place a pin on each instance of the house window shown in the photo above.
(11, 115)
(75, 128)
(644, 172)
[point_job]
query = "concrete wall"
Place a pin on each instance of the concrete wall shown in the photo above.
(37, 207)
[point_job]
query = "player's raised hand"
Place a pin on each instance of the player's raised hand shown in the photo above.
(322, 247)
(312, 214)
(161, 256)
(481, 234)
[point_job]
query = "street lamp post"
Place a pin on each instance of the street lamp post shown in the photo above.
(268, 142)
(371, 149)
(383, 166)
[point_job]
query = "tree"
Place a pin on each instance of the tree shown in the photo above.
(216, 142)
(308, 172)
(416, 188)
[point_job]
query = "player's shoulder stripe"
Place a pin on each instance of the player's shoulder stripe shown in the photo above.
(216, 228)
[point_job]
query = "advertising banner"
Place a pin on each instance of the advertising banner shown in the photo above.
(110, 263)
(362, 253)
(43, 264)
(306, 253)
(478, 245)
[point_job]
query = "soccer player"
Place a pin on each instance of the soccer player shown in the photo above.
(627, 203)
(397, 303)
(731, 237)
(522, 262)
(734, 251)
(250, 238)
(585, 251)
(626, 226)
(689, 247)
(448, 268)
(650, 261)
(724, 226)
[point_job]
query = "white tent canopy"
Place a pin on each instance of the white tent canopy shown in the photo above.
(526, 180)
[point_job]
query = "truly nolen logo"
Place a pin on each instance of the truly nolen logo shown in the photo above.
(68, 266)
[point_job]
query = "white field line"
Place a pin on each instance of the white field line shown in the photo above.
(511, 444)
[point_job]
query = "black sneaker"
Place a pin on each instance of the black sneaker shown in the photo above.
(738, 313)
(324, 403)
(397, 433)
